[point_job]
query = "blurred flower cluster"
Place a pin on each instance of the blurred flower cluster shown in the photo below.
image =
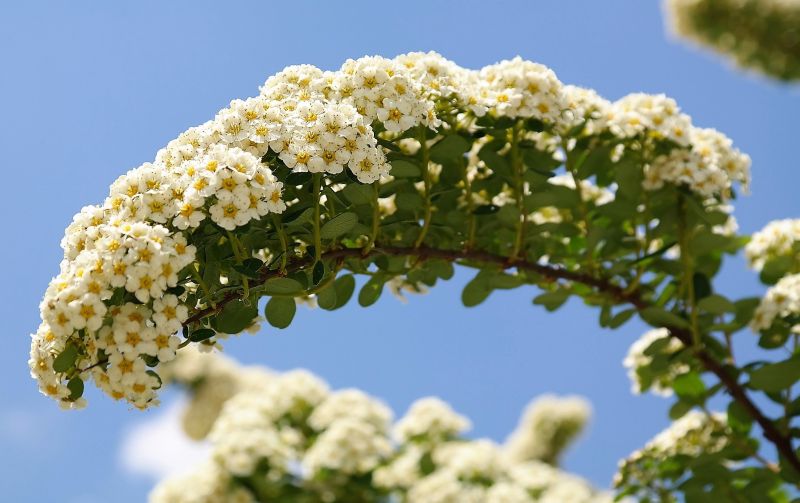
(288, 437)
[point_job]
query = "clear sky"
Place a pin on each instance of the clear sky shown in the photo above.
(89, 91)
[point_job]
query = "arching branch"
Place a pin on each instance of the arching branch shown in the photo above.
(781, 441)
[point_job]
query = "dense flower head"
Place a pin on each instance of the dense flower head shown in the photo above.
(519, 88)
(234, 200)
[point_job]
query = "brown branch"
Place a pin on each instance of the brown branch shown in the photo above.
(782, 442)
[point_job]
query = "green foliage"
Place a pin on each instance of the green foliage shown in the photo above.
(775, 377)
(235, 316)
(280, 311)
(66, 359)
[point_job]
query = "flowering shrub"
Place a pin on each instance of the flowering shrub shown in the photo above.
(756, 34)
(287, 437)
(395, 170)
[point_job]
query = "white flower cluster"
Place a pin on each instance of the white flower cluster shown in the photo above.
(584, 106)
(213, 381)
(518, 88)
(653, 115)
(547, 427)
(690, 435)
(209, 483)
(637, 359)
(110, 307)
(709, 168)
(130, 271)
(289, 431)
(431, 418)
(756, 34)
(776, 240)
(695, 433)
(781, 300)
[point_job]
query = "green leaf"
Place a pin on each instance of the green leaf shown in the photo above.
(409, 201)
(689, 386)
(774, 377)
(702, 285)
(679, 409)
(404, 169)
(201, 334)
(358, 193)
(66, 359)
(282, 286)
(775, 269)
(738, 418)
(621, 318)
(494, 161)
(155, 374)
(75, 387)
(486, 209)
(659, 317)
(449, 149)
(318, 272)
(371, 291)
(442, 268)
(326, 298)
(716, 304)
(298, 178)
(745, 309)
(475, 292)
(345, 285)
(338, 225)
(235, 317)
(249, 267)
(280, 311)
(594, 161)
(552, 300)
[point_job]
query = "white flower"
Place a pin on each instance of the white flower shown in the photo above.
(637, 358)
(431, 418)
(780, 301)
(777, 239)
(548, 426)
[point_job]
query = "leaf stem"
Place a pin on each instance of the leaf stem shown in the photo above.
(426, 178)
(376, 219)
(583, 207)
(519, 190)
(687, 283)
(203, 285)
(276, 221)
(237, 252)
(317, 239)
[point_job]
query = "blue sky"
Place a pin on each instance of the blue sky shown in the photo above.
(89, 91)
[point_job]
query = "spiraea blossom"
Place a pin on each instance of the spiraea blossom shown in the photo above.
(287, 436)
(322, 161)
(640, 357)
(113, 311)
(780, 301)
(775, 241)
(695, 434)
(547, 427)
